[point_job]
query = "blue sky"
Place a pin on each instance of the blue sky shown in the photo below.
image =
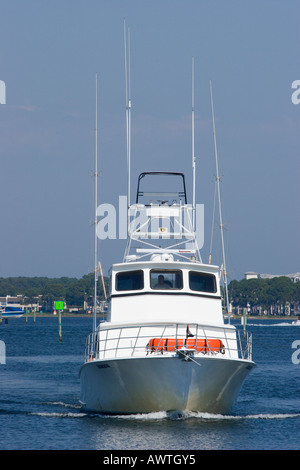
(50, 53)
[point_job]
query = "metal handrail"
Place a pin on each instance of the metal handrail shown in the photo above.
(245, 345)
(98, 347)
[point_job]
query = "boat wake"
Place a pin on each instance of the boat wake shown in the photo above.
(175, 415)
(61, 414)
(75, 411)
(271, 325)
(71, 410)
(58, 415)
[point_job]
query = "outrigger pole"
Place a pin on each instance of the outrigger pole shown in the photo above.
(128, 112)
(220, 208)
(193, 146)
(96, 202)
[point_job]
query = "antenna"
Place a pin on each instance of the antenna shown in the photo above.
(193, 145)
(128, 110)
(96, 202)
(219, 200)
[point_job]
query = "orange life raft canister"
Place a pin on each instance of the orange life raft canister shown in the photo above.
(171, 344)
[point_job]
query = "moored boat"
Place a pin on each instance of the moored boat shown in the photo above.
(8, 311)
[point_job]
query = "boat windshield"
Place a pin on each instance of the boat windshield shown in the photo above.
(161, 188)
(166, 279)
(202, 282)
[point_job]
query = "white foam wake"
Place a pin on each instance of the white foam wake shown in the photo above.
(45, 414)
(162, 415)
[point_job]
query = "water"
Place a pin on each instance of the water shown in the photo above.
(39, 407)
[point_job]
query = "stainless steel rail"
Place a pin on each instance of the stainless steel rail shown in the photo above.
(133, 341)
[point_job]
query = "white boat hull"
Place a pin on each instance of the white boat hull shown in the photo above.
(12, 315)
(152, 384)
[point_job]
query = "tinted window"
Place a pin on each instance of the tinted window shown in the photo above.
(165, 279)
(130, 280)
(202, 282)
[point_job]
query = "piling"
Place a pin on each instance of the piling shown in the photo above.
(59, 326)
(244, 321)
(59, 305)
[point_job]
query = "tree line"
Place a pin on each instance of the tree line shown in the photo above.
(270, 295)
(273, 296)
(72, 290)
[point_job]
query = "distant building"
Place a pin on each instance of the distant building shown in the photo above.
(13, 301)
(252, 275)
(295, 277)
(19, 302)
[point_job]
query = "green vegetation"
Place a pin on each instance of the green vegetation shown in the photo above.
(72, 290)
(265, 295)
(258, 295)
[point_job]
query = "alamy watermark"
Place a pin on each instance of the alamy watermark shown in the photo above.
(165, 221)
(296, 354)
(2, 92)
(296, 94)
(2, 352)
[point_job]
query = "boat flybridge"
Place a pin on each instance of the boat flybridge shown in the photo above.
(164, 345)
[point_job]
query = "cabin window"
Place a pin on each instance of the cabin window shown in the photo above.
(130, 280)
(165, 279)
(202, 282)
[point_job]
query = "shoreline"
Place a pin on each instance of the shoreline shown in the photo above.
(232, 317)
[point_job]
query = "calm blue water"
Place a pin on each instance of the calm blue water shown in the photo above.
(39, 392)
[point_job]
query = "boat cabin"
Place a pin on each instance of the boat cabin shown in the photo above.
(165, 291)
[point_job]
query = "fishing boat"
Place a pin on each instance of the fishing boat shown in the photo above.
(164, 345)
(7, 311)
